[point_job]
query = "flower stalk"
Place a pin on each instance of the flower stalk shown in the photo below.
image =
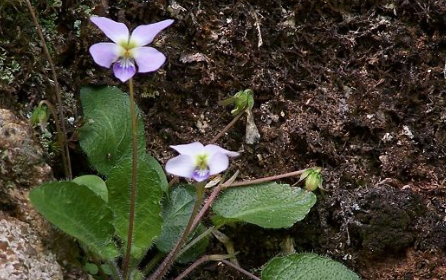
(168, 261)
(126, 263)
(62, 136)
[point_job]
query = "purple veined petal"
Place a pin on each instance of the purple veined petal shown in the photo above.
(200, 175)
(104, 54)
(182, 165)
(124, 69)
(212, 149)
(116, 31)
(144, 34)
(148, 59)
(192, 149)
(218, 162)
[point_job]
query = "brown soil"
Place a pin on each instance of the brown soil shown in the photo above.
(356, 87)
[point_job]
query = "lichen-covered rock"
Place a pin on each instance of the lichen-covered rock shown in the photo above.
(21, 157)
(22, 254)
(29, 245)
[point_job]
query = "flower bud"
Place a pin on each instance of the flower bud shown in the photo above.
(313, 178)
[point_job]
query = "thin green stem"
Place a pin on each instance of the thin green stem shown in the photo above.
(206, 206)
(126, 263)
(66, 151)
(168, 261)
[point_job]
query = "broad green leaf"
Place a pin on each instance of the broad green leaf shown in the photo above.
(269, 205)
(306, 266)
(164, 185)
(106, 136)
(177, 209)
(147, 225)
(79, 212)
(94, 183)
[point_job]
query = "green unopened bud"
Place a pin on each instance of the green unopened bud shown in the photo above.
(313, 178)
(40, 115)
(242, 101)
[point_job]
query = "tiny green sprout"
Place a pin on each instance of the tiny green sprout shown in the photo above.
(242, 100)
(313, 178)
(40, 116)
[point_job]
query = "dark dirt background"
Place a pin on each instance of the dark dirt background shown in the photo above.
(356, 87)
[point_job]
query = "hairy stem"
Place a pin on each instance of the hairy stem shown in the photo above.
(211, 199)
(219, 258)
(126, 263)
(196, 240)
(65, 151)
(168, 261)
(266, 179)
(115, 270)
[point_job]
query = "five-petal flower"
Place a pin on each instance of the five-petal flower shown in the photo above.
(128, 51)
(198, 162)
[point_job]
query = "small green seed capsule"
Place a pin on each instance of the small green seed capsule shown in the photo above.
(313, 178)
(242, 101)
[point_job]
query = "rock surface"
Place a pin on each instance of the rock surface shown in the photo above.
(22, 254)
(29, 246)
(21, 157)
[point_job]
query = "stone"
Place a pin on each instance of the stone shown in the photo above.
(22, 254)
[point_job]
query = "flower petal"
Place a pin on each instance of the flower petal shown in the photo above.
(148, 59)
(219, 162)
(116, 31)
(104, 54)
(144, 34)
(200, 175)
(213, 149)
(192, 149)
(181, 165)
(124, 70)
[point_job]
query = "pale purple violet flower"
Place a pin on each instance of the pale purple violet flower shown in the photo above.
(199, 162)
(127, 50)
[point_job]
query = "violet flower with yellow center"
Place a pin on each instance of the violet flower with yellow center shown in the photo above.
(199, 162)
(128, 52)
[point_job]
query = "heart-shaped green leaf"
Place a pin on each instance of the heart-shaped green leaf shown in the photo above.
(147, 224)
(79, 212)
(269, 205)
(106, 135)
(306, 266)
